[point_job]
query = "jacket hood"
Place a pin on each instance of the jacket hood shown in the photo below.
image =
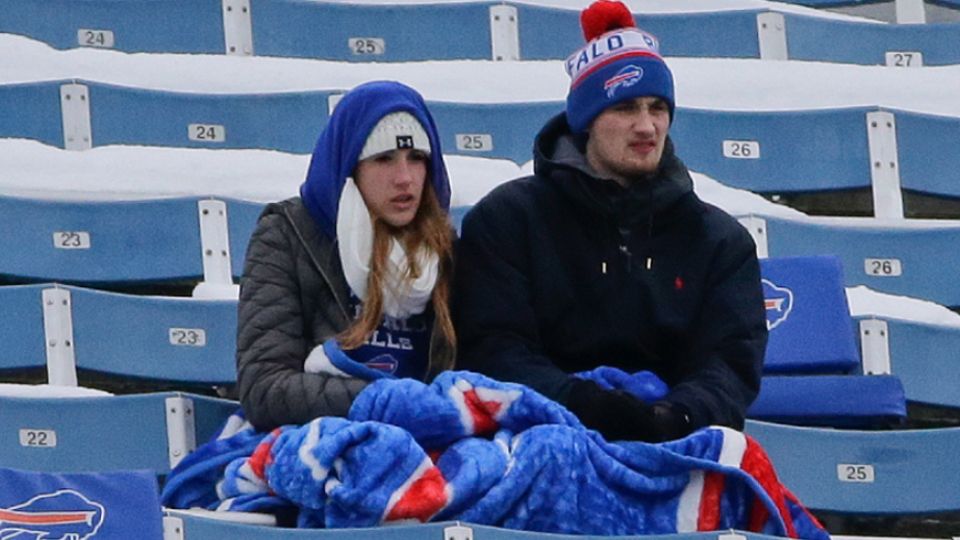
(559, 155)
(339, 145)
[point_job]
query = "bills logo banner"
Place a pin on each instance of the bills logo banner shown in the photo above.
(79, 506)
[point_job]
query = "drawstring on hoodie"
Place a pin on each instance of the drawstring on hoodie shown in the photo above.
(649, 224)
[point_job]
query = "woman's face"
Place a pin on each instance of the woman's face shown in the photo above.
(391, 184)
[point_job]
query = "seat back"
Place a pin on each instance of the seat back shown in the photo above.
(919, 260)
(808, 316)
(21, 329)
(183, 340)
(105, 243)
(89, 434)
(874, 472)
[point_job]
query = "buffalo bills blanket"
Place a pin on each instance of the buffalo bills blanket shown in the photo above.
(473, 449)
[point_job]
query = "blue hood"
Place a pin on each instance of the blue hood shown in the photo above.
(340, 143)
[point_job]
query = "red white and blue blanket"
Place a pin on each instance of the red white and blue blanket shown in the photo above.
(473, 449)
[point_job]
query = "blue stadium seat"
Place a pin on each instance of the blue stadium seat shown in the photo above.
(182, 340)
(242, 221)
(812, 366)
(408, 32)
(107, 433)
(831, 40)
(21, 329)
(552, 33)
(36, 115)
(126, 242)
(185, 26)
(511, 127)
(287, 121)
(777, 152)
(98, 242)
(917, 260)
(135, 337)
(861, 472)
(923, 356)
(920, 136)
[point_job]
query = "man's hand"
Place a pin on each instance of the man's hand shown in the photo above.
(618, 415)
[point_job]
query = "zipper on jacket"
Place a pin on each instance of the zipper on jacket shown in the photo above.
(625, 247)
(316, 263)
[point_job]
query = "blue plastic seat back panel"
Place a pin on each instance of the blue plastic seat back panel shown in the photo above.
(100, 242)
(21, 328)
(917, 261)
(98, 433)
(924, 357)
(156, 338)
(808, 316)
(877, 472)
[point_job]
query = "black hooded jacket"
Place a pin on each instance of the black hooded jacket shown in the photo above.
(562, 272)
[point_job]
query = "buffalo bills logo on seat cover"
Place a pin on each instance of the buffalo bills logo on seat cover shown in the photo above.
(61, 515)
(778, 302)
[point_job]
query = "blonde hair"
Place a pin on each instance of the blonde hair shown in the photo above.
(429, 228)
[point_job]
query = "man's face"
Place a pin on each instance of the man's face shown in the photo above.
(626, 139)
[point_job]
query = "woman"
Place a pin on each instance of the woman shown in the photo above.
(359, 264)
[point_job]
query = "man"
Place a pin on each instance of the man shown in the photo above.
(606, 257)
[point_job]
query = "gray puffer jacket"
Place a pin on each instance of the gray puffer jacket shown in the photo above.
(293, 296)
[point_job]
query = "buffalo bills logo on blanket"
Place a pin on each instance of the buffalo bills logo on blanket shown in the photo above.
(778, 302)
(625, 78)
(62, 515)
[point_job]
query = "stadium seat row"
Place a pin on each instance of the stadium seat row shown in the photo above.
(190, 239)
(191, 342)
(483, 31)
(849, 471)
(882, 150)
(916, 259)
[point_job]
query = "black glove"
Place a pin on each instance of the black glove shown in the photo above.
(672, 420)
(618, 415)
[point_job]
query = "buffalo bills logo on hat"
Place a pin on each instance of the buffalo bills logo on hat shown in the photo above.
(627, 76)
(404, 141)
(778, 302)
(62, 514)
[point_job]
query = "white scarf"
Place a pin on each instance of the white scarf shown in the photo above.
(401, 297)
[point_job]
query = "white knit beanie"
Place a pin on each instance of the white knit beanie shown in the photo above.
(395, 131)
